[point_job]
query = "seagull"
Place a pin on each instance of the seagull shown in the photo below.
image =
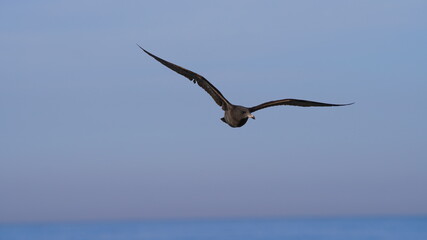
(235, 115)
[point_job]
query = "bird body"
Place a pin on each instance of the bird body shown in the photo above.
(235, 115)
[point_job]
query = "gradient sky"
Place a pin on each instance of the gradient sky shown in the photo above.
(92, 128)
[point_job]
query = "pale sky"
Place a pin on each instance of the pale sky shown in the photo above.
(94, 129)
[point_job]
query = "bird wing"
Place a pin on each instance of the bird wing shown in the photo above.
(294, 102)
(196, 78)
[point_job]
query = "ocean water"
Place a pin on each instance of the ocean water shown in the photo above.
(404, 228)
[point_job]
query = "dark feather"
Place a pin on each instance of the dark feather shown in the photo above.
(294, 102)
(196, 78)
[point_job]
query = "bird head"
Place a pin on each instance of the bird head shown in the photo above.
(245, 113)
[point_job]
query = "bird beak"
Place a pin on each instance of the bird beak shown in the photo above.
(251, 116)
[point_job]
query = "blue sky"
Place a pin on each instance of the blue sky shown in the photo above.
(92, 128)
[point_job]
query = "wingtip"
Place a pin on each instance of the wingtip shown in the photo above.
(345, 104)
(141, 48)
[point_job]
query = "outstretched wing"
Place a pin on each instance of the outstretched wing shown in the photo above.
(294, 102)
(196, 78)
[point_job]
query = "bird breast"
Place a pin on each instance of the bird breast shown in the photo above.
(234, 120)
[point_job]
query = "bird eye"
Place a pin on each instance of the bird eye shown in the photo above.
(243, 112)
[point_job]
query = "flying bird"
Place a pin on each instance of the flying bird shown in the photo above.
(235, 115)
